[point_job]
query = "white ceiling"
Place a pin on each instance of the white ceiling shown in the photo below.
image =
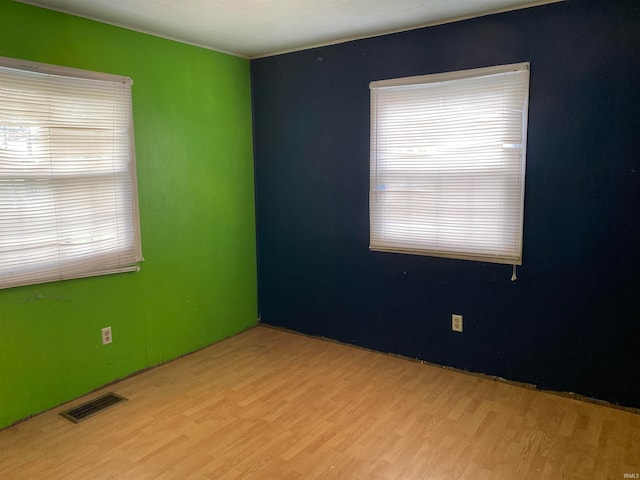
(255, 28)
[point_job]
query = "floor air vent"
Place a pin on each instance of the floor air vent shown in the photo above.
(86, 410)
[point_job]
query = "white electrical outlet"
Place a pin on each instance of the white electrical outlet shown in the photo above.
(106, 335)
(456, 322)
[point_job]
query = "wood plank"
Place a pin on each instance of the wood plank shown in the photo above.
(270, 404)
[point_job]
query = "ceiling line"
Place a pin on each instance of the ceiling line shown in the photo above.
(533, 3)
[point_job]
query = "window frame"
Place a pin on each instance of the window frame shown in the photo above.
(399, 238)
(83, 256)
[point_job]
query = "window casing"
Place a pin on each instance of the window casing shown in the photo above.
(448, 156)
(68, 196)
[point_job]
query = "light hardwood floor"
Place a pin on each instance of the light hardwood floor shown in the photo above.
(269, 404)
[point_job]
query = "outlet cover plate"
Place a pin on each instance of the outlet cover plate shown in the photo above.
(106, 335)
(456, 322)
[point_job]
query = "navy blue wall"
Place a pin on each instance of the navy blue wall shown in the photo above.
(572, 320)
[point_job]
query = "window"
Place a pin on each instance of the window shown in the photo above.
(68, 199)
(448, 158)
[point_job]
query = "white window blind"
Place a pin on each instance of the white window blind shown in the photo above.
(448, 156)
(68, 199)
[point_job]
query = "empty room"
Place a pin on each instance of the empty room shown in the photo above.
(304, 239)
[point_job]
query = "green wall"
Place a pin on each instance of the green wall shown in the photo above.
(192, 114)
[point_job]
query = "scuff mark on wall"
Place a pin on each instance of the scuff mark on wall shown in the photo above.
(41, 296)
